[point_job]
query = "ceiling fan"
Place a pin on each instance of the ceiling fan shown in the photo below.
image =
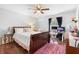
(39, 8)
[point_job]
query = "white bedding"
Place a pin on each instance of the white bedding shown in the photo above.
(24, 37)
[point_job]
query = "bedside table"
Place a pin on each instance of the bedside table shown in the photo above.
(8, 38)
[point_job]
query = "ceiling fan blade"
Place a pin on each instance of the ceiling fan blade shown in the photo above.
(45, 9)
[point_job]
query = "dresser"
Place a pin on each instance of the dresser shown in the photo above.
(8, 38)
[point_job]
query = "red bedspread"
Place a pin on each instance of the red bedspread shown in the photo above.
(51, 48)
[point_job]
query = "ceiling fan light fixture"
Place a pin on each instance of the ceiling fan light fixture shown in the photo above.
(39, 9)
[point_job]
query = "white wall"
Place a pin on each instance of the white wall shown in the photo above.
(9, 18)
(43, 21)
(66, 16)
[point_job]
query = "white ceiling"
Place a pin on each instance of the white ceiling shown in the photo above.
(24, 8)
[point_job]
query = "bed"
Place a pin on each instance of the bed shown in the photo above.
(30, 40)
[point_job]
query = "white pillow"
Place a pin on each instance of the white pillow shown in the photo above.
(27, 30)
(18, 29)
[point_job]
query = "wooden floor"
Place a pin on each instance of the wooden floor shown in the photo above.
(12, 48)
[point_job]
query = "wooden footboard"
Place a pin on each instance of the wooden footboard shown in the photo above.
(38, 40)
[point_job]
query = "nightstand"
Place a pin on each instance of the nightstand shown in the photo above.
(8, 38)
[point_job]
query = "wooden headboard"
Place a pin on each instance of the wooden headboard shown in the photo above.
(20, 27)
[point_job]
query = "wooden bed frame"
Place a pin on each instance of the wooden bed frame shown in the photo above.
(37, 40)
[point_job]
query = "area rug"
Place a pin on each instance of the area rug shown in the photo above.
(52, 48)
